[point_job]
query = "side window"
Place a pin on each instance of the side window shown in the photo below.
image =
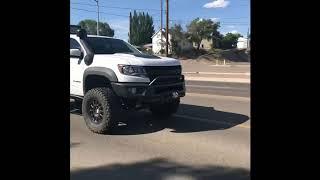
(74, 44)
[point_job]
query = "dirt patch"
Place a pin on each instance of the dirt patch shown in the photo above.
(232, 55)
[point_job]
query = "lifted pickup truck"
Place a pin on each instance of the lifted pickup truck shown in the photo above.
(109, 76)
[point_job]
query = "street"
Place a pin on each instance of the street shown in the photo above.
(208, 138)
(218, 88)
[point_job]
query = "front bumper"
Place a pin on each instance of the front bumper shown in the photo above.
(160, 89)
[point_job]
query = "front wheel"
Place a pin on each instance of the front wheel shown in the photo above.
(165, 110)
(100, 109)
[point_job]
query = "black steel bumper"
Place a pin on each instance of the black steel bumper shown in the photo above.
(160, 89)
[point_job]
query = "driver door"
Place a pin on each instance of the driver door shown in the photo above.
(75, 70)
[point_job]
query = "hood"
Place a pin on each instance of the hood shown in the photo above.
(146, 60)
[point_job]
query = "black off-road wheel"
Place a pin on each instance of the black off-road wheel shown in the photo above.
(100, 109)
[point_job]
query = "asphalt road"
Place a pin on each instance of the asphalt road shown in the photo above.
(218, 88)
(209, 138)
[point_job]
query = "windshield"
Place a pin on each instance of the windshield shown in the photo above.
(110, 46)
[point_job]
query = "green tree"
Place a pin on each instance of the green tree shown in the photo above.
(217, 40)
(91, 27)
(142, 28)
(230, 40)
(200, 29)
(177, 35)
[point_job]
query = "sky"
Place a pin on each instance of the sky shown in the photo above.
(233, 15)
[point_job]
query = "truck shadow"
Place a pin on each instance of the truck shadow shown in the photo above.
(74, 144)
(188, 119)
(159, 169)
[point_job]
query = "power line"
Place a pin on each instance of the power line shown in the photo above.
(233, 18)
(238, 6)
(105, 13)
(143, 9)
(100, 12)
(154, 14)
(224, 22)
(239, 22)
(115, 7)
(172, 20)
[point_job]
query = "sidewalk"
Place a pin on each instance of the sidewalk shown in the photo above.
(236, 78)
(202, 71)
(203, 66)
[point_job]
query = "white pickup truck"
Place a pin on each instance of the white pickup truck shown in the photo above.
(109, 76)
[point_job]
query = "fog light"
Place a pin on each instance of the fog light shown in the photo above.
(133, 90)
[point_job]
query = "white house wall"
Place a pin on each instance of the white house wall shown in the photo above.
(242, 43)
(156, 46)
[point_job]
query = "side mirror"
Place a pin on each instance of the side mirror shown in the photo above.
(75, 53)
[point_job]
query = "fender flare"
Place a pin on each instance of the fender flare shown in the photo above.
(100, 71)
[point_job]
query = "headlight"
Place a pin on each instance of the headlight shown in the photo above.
(132, 70)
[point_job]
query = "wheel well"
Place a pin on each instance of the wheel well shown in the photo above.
(94, 81)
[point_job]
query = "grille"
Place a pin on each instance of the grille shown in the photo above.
(156, 71)
(168, 89)
(168, 80)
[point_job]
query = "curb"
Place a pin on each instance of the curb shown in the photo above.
(235, 80)
(231, 65)
(215, 73)
(218, 96)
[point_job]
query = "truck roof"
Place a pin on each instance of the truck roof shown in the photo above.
(74, 28)
(74, 35)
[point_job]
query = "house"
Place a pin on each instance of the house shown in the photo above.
(157, 42)
(184, 44)
(242, 43)
(147, 46)
(205, 44)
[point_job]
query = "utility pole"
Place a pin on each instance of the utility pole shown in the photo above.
(97, 1)
(248, 39)
(248, 43)
(161, 43)
(130, 17)
(167, 28)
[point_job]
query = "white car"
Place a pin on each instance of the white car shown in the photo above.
(109, 76)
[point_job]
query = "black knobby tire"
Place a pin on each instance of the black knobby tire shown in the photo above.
(165, 110)
(100, 109)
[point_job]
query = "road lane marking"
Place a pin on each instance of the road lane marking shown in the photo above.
(217, 73)
(212, 79)
(219, 96)
(217, 87)
(211, 121)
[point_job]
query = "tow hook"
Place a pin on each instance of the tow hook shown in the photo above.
(175, 95)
